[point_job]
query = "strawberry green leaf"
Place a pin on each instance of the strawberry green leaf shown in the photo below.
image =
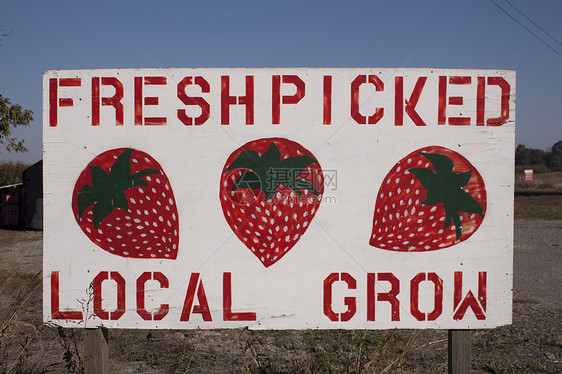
(120, 172)
(143, 173)
(86, 197)
(268, 171)
(453, 215)
(139, 183)
(247, 180)
(107, 190)
(446, 187)
(462, 178)
(101, 210)
(272, 156)
(425, 176)
(122, 165)
(468, 203)
(99, 176)
(246, 160)
(120, 201)
(297, 164)
(441, 163)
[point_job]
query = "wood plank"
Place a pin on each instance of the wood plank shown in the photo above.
(96, 351)
(459, 351)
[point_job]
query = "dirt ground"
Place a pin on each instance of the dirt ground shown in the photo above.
(537, 259)
(532, 344)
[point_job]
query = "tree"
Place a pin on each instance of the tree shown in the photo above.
(12, 115)
(537, 157)
(531, 158)
(10, 172)
(522, 155)
(555, 157)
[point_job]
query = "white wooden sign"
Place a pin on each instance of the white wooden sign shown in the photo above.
(278, 198)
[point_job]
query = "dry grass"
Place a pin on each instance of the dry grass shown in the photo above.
(538, 207)
(11, 237)
(544, 182)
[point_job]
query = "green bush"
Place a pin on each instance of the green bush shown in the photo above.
(10, 172)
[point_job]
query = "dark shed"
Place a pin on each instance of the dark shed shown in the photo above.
(32, 179)
(11, 204)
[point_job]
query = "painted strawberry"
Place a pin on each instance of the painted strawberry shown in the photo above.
(431, 199)
(124, 203)
(270, 190)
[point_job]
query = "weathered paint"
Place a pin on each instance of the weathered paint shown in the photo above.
(356, 123)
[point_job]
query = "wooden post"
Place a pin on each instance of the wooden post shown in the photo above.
(96, 351)
(459, 351)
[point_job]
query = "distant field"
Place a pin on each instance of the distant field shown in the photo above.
(538, 207)
(540, 198)
(540, 182)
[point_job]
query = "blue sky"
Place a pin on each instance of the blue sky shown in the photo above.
(76, 34)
